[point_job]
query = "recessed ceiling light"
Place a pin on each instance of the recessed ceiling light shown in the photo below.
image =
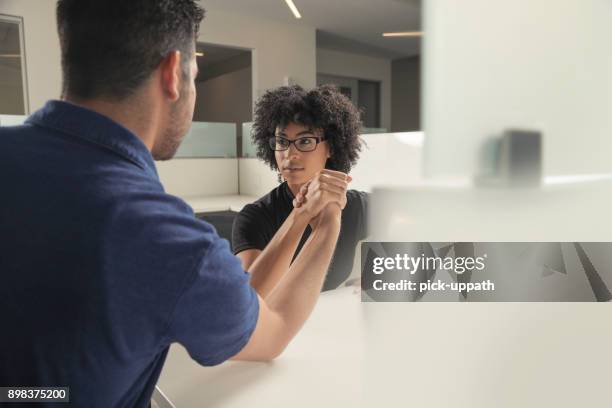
(404, 34)
(294, 9)
(199, 54)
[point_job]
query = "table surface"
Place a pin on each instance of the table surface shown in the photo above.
(333, 336)
(434, 355)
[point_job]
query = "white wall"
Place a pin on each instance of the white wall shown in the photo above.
(42, 51)
(199, 177)
(279, 49)
(331, 62)
(256, 178)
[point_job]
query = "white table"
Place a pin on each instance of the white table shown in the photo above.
(433, 355)
(322, 367)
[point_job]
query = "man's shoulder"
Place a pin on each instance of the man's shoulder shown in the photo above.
(158, 232)
(12, 134)
(151, 206)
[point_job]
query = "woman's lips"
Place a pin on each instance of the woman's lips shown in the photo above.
(293, 169)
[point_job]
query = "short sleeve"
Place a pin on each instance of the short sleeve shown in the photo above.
(363, 200)
(173, 279)
(217, 313)
(250, 229)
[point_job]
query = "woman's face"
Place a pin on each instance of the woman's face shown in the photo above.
(295, 166)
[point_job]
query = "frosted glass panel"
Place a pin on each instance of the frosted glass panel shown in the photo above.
(12, 120)
(248, 148)
(366, 130)
(207, 139)
(544, 65)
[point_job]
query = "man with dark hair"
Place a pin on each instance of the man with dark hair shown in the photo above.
(100, 269)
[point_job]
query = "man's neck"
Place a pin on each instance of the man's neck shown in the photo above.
(133, 115)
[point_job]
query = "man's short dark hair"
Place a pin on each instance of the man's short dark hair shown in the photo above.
(324, 107)
(110, 47)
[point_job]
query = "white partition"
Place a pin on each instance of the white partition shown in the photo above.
(248, 147)
(366, 130)
(543, 64)
(209, 139)
(199, 177)
(256, 178)
(389, 159)
(12, 120)
(386, 159)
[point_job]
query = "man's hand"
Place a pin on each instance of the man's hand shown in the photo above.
(327, 187)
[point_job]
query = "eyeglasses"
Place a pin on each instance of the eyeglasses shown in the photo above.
(303, 144)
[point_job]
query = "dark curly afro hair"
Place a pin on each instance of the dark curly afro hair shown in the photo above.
(322, 108)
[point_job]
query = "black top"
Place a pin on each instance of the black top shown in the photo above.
(257, 223)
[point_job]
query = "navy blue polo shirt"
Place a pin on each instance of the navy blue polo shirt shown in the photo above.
(100, 269)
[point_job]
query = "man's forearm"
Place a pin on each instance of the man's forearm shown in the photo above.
(298, 290)
(269, 267)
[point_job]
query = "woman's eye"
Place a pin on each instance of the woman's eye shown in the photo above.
(305, 141)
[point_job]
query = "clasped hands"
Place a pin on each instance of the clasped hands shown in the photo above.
(323, 196)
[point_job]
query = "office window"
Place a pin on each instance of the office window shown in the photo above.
(13, 88)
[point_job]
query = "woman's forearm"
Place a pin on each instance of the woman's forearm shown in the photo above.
(269, 267)
(295, 295)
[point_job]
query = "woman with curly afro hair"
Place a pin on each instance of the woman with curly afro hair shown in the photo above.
(311, 139)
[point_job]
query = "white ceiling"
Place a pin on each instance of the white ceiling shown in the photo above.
(351, 25)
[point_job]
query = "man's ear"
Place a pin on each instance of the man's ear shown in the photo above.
(171, 73)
